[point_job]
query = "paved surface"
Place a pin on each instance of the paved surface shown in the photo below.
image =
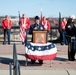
(60, 65)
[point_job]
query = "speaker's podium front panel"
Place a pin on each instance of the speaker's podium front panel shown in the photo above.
(39, 36)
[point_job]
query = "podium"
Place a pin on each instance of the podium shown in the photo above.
(39, 37)
(40, 49)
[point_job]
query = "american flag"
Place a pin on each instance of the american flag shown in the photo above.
(22, 31)
(41, 51)
(19, 14)
(22, 34)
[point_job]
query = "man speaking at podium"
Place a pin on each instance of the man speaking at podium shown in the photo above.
(36, 26)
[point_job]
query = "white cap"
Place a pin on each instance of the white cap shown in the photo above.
(72, 16)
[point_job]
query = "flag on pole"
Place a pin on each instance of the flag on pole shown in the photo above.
(22, 34)
(41, 51)
(60, 28)
(19, 14)
(22, 30)
(41, 16)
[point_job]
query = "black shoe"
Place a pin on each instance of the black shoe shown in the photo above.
(71, 59)
(40, 61)
(23, 43)
(32, 61)
(4, 43)
(8, 43)
(62, 43)
(66, 44)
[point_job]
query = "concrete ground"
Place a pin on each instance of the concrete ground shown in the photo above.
(60, 65)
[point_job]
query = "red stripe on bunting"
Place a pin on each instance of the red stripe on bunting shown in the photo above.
(44, 57)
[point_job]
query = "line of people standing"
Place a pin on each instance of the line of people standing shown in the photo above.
(68, 28)
(64, 23)
(24, 24)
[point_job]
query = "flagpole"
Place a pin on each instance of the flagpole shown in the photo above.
(60, 28)
(19, 14)
(41, 16)
(60, 22)
(18, 11)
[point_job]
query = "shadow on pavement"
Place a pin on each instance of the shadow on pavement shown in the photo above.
(23, 62)
(61, 59)
(5, 60)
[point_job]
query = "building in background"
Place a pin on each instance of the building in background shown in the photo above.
(15, 20)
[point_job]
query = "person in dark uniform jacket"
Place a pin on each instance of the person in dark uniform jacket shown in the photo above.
(70, 30)
(36, 26)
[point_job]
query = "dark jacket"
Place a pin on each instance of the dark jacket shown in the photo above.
(38, 27)
(70, 31)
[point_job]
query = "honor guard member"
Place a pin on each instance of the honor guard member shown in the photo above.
(24, 26)
(63, 33)
(46, 25)
(36, 26)
(6, 24)
(70, 31)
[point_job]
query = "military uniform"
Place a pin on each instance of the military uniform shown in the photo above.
(70, 29)
(36, 27)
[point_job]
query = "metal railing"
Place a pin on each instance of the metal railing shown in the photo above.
(15, 32)
(16, 65)
(10, 68)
